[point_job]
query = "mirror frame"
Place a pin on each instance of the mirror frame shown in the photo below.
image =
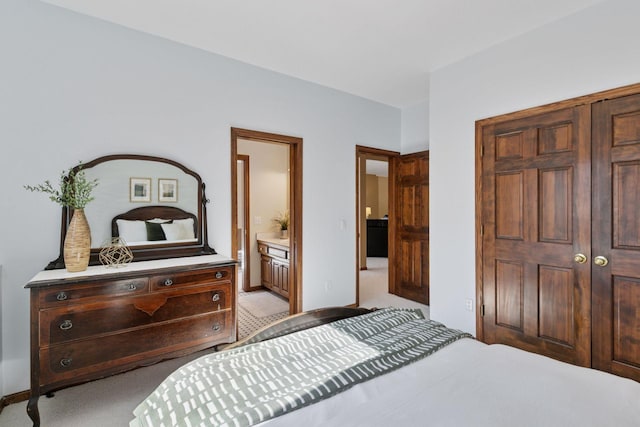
(148, 252)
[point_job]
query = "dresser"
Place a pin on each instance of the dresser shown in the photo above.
(104, 321)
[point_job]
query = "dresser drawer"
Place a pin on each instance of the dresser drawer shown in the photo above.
(63, 295)
(189, 278)
(70, 323)
(63, 362)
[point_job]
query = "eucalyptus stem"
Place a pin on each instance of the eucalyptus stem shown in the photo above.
(74, 188)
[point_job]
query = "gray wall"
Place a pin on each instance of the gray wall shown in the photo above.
(75, 88)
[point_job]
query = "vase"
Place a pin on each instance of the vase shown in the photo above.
(77, 242)
(284, 234)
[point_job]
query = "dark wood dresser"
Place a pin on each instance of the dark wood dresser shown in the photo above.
(104, 321)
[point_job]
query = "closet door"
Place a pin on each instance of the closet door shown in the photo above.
(616, 236)
(537, 232)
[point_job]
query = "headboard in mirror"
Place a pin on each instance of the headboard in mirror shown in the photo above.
(157, 205)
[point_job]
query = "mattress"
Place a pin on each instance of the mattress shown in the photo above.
(469, 383)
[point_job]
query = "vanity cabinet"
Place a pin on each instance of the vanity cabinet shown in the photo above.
(274, 267)
(90, 325)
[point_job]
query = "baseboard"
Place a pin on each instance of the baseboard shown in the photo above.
(256, 288)
(10, 399)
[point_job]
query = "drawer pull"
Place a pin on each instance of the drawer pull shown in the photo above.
(219, 275)
(66, 325)
(131, 287)
(61, 296)
(217, 327)
(168, 282)
(65, 363)
(216, 297)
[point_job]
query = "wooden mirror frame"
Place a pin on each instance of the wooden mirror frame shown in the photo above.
(148, 252)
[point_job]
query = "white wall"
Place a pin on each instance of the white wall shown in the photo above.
(75, 88)
(268, 192)
(415, 128)
(2, 322)
(594, 50)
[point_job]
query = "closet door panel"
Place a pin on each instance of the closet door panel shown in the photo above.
(616, 236)
(536, 215)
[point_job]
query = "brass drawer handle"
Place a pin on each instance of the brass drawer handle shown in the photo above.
(61, 296)
(168, 282)
(65, 363)
(66, 325)
(131, 287)
(216, 297)
(219, 275)
(216, 327)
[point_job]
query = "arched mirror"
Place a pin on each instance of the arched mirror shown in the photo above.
(157, 206)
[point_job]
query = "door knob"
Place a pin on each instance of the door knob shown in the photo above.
(580, 258)
(600, 261)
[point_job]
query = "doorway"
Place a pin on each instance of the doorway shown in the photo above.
(242, 237)
(375, 199)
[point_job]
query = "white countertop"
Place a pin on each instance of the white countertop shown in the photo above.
(273, 238)
(275, 241)
(98, 270)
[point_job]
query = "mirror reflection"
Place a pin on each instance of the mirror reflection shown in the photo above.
(126, 184)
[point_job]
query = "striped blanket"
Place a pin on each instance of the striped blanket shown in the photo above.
(247, 385)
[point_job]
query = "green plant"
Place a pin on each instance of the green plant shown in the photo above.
(282, 220)
(75, 189)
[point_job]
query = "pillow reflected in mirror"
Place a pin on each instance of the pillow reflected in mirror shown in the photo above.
(179, 230)
(132, 231)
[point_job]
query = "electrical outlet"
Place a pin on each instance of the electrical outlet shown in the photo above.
(468, 304)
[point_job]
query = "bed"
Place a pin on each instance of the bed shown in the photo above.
(150, 225)
(380, 368)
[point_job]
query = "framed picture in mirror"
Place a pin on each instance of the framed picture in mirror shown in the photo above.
(167, 190)
(140, 189)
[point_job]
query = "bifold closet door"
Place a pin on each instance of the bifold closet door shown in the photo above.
(536, 230)
(616, 236)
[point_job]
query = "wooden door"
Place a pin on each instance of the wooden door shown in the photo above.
(412, 222)
(616, 236)
(536, 218)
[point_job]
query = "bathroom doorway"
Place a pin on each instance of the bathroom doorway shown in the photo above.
(245, 224)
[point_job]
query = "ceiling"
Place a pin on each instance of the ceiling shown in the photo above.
(377, 167)
(381, 50)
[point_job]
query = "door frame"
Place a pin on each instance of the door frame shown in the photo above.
(362, 154)
(295, 204)
(247, 224)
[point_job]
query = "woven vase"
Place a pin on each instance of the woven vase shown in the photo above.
(77, 242)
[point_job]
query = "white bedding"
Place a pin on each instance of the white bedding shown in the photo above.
(469, 383)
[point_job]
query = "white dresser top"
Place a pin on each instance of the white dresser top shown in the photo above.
(98, 270)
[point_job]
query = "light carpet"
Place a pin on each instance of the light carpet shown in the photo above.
(374, 288)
